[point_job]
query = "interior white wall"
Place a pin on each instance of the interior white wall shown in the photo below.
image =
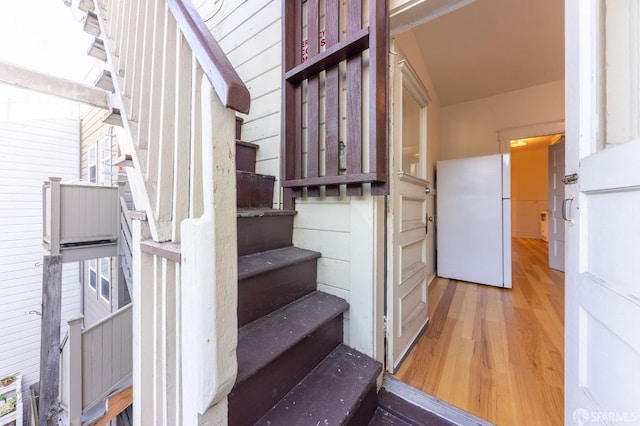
(469, 129)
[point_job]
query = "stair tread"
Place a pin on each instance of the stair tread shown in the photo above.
(263, 340)
(259, 212)
(247, 144)
(257, 263)
(330, 394)
(384, 418)
(254, 174)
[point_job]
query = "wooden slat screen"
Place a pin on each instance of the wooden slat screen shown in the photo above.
(327, 85)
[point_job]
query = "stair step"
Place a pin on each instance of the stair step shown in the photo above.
(339, 391)
(91, 25)
(405, 412)
(104, 81)
(276, 351)
(97, 50)
(272, 279)
(264, 229)
(246, 156)
(254, 190)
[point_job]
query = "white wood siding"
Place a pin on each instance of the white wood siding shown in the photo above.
(249, 33)
(30, 152)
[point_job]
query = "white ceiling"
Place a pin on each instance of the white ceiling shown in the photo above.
(493, 46)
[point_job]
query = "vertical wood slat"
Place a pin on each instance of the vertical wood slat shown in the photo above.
(123, 37)
(332, 100)
(166, 125)
(154, 111)
(131, 48)
(354, 101)
(196, 205)
(119, 28)
(378, 117)
(135, 73)
(313, 96)
(182, 136)
(292, 99)
(145, 86)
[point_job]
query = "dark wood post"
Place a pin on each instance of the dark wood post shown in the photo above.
(50, 340)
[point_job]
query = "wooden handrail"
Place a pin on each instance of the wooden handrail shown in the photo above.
(219, 71)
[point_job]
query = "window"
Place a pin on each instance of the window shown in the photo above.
(92, 163)
(105, 278)
(93, 274)
(105, 161)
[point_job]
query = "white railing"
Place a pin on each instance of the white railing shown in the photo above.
(94, 360)
(177, 95)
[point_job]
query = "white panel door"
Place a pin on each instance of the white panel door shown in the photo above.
(407, 215)
(556, 197)
(602, 365)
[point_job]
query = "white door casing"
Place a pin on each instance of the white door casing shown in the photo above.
(602, 313)
(556, 197)
(407, 220)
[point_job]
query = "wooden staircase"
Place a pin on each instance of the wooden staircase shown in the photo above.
(292, 366)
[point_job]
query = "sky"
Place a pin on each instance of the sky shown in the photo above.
(43, 35)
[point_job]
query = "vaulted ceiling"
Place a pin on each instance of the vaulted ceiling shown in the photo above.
(493, 46)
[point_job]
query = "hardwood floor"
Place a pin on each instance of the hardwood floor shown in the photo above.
(496, 353)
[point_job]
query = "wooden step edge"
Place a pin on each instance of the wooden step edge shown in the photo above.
(240, 173)
(247, 144)
(331, 393)
(124, 160)
(113, 117)
(86, 6)
(393, 390)
(97, 50)
(104, 81)
(265, 339)
(246, 213)
(91, 25)
(254, 264)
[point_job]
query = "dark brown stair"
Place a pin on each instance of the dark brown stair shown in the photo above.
(264, 229)
(276, 351)
(290, 338)
(272, 279)
(255, 191)
(341, 390)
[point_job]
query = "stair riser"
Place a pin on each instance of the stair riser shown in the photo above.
(254, 191)
(258, 234)
(264, 293)
(250, 400)
(245, 158)
(365, 411)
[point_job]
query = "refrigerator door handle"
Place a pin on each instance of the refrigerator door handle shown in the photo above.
(564, 208)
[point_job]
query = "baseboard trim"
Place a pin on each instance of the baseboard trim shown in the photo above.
(432, 404)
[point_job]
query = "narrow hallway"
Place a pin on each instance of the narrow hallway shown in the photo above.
(496, 353)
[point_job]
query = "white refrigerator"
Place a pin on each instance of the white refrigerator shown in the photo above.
(473, 213)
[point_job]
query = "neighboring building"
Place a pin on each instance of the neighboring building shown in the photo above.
(39, 138)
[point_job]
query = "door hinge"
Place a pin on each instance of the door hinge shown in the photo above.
(570, 179)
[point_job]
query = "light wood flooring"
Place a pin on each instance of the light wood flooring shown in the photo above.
(496, 353)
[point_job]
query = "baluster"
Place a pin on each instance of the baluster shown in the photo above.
(354, 100)
(127, 47)
(196, 204)
(332, 100)
(182, 135)
(166, 124)
(313, 96)
(134, 64)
